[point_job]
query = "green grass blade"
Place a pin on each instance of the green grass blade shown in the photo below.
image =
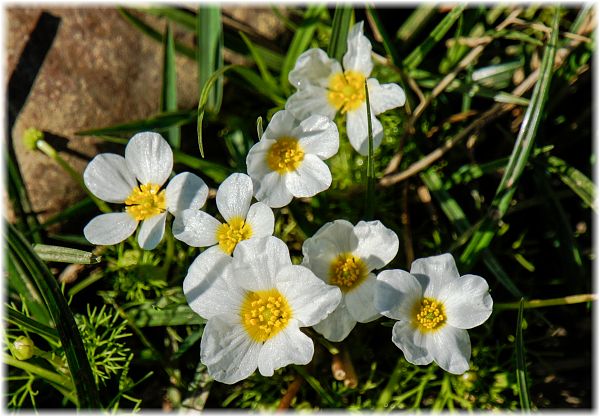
(519, 157)
(420, 52)
(300, 42)
(80, 207)
(210, 53)
(181, 17)
(416, 22)
(370, 195)
(388, 44)
(81, 372)
(213, 170)
(160, 122)
(51, 253)
(17, 193)
(250, 78)
(316, 385)
(30, 324)
(575, 180)
(178, 315)
(521, 366)
(168, 102)
(342, 20)
(262, 67)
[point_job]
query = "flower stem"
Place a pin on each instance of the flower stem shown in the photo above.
(370, 197)
(40, 372)
(570, 299)
(390, 388)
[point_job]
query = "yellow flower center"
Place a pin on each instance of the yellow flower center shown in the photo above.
(347, 271)
(146, 201)
(429, 314)
(346, 90)
(264, 314)
(230, 234)
(285, 155)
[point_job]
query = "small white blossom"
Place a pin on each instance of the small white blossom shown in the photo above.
(433, 305)
(112, 178)
(242, 220)
(255, 304)
(324, 87)
(344, 255)
(288, 162)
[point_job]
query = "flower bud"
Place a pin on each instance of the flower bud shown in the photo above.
(31, 136)
(22, 348)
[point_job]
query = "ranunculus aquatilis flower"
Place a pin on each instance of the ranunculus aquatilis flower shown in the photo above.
(434, 306)
(345, 256)
(242, 220)
(288, 162)
(255, 305)
(113, 178)
(324, 87)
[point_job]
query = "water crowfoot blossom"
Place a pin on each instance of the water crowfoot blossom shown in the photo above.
(242, 220)
(288, 162)
(255, 305)
(325, 87)
(344, 255)
(113, 178)
(434, 306)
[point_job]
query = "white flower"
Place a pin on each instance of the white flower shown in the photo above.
(324, 87)
(288, 160)
(434, 306)
(255, 304)
(112, 178)
(242, 220)
(344, 255)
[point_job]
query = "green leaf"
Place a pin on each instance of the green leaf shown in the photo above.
(418, 19)
(521, 366)
(436, 35)
(26, 220)
(50, 253)
(213, 170)
(300, 42)
(342, 19)
(210, 54)
(262, 67)
(159, 122)
(168, 102)
(260, 85)
(575, 180)
(70, 212)
(80, 369)
(482, 238)
(177, 315)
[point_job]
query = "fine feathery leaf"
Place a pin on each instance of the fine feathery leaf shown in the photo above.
(210, 53)
(342, 20)
(521, 366)
(168, 102)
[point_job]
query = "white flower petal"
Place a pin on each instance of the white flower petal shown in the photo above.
(288, 346)
(318, 136)
(358, 55)
(450, 348)
(110, 228)
(208, 285)
(331, 240)
(377, 245)
(338, 325)
(467, 301)
(272, 190)
(308, 101)
(396, 293)
(152, 231)
(310, 298)
(234, 196)
(227, 350)
(359, 301)
(385, 97)
(434, 273)
(149, 157)
(281, 124)
(196, 228)
(311, 177)
(256, 160)
(256, 262)
(313, 67)
(261, 220)
(185, 191)
(412, 343)
(108, 178)
(358, 130)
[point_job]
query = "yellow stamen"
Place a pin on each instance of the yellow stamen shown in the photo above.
(285, 155)
(146, 201)
(347, 271)
(264, 314)
(230, 234)
(429, 315)
(346, 90)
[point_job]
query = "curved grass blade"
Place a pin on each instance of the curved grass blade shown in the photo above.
(51, 253)
(342, 20)
(168, 102)
(521, 366)
(17, 194)
(159, 122)
(210, 53)
(20, 319)
(482, 238)
(81, 372)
